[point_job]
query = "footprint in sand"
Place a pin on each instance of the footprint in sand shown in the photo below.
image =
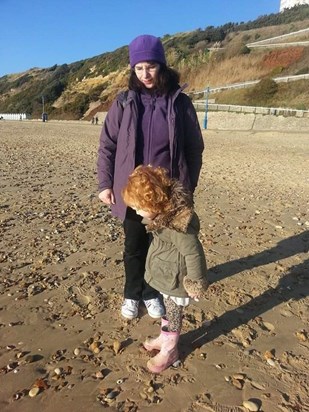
(78, 296)
(210, 407)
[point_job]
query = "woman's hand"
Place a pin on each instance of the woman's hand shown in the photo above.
(107, 196)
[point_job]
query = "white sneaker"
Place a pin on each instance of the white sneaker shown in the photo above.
(155, 308)
(129, 308)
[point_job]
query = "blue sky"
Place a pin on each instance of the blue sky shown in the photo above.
(41, 33)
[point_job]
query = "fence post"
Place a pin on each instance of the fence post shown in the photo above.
(206, 108)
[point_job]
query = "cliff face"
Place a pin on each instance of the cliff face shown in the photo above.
(212, 57)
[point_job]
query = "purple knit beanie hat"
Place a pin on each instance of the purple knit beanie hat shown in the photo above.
(146, 48)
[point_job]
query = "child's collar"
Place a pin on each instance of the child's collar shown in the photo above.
(177, 219)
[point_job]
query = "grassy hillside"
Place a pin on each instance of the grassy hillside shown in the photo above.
(213, 56)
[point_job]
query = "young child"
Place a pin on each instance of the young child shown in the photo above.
(175, 264)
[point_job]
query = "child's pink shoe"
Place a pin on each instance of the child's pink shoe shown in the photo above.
(168, 353)
(155, 343)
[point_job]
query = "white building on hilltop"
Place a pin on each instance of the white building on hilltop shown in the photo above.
(287, 4)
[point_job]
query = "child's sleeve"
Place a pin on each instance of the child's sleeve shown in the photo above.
(189, 246)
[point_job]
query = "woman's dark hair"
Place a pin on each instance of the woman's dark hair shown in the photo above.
(167, 81)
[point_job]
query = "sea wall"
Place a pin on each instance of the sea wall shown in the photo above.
(252, 121)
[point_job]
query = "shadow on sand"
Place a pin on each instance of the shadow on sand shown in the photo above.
(292, 286)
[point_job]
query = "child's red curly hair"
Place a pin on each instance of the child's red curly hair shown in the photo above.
(148, 189)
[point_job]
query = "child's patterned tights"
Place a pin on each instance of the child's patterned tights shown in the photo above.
(173, 315)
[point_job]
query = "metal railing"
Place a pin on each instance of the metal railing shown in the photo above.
(249, 83)
(275, 111)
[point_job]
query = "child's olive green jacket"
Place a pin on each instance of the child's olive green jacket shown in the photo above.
(176, 256)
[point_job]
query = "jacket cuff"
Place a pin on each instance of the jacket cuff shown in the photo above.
(195, 287)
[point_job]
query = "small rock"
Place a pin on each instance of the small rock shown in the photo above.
(11, 366)
(271, 362)
(95, 347)
(269, 326)
(76, 351)
(237, 383)
(10, 347)
(29, 359)
(34, 391)
(302, 336)
(143, 395)
(17, 396)
(112, 395)
(251, 406)
(116, 346)
(257, 385)
(239, 376)
(105, 391)
(268, 355)
(99, 375)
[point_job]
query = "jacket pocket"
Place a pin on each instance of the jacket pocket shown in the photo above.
(164, 274)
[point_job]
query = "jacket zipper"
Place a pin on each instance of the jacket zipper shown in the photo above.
(153, 105)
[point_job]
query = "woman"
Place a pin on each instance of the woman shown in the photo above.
(155, 123)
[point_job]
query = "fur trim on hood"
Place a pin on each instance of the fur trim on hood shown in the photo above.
(180, 215)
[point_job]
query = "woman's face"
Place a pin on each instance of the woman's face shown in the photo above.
(147, 73)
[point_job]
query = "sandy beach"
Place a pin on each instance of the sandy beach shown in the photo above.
(63, 343)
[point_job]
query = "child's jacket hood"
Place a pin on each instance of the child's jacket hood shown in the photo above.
(180, 215)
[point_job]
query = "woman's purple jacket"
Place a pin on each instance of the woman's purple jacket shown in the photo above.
(117, 150)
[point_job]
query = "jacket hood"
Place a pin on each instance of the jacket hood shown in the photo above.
(179, 217)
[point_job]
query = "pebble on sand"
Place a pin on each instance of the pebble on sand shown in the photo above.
(251, 406)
